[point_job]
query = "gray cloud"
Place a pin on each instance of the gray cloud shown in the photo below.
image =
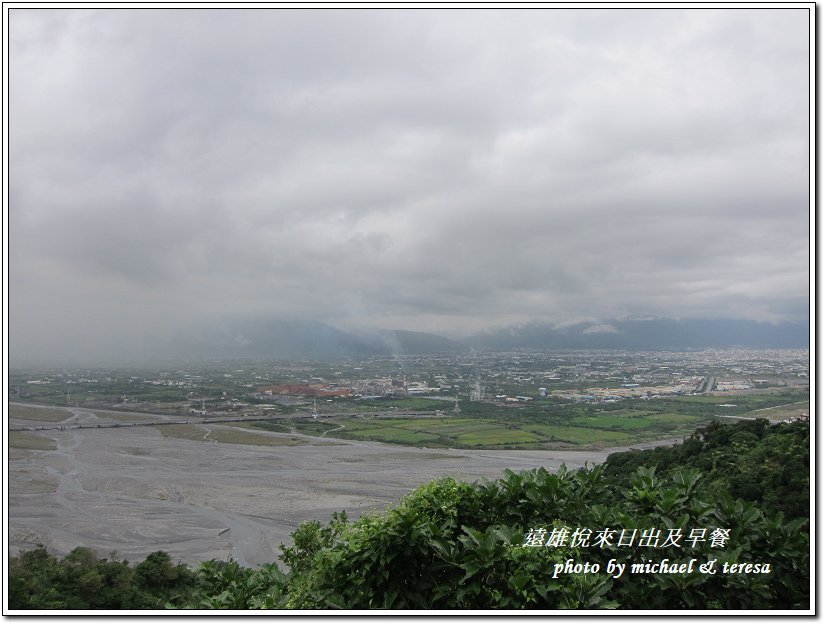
(431, 170)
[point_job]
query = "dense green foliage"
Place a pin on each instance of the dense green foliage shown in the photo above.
(81, 580)
(456, 545)
(453, 545)
(751, 460)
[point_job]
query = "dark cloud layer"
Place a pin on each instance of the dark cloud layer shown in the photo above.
(430, 170)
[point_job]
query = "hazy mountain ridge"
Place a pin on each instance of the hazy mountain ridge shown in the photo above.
(405, 342)
(296, 338)
(651, 334)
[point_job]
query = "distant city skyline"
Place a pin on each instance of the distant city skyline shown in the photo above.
(439, 170)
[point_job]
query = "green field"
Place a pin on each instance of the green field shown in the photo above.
(30, 441)
(744, 403)
(407, 403)
(792, 410)
(124, 416)
(47, 414)
(189, 432)
(464, 433)
(239, 436)
(553, 425)
(580, 435)
(227, 436)
(637, 421)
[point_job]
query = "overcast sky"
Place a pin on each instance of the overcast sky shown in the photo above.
(440, 170)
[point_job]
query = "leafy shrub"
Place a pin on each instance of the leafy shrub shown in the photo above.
(81, 580)
(452, 545)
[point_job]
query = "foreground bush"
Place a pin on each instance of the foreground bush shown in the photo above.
(81, 580)
(452, 545)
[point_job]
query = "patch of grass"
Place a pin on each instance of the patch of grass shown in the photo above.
(782, 411)
(133, 450)
(189, 432)
(389, 434)
(449, 428)
(265, 425)
(31, 441)
(409, 403)
(747, 402)
(48, 414)
(227, 436)
(451, 432)
(124, 416)
(638, 421)
(578, 435)
(471, 432)
(696, 399)
(497, 436)
(309, 428)
(239, 436)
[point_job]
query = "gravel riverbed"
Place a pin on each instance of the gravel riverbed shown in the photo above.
(132, 490)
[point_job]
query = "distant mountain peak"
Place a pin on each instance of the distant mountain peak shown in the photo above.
(648, 333)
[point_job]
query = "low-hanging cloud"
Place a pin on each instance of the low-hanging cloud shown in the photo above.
(428, 170)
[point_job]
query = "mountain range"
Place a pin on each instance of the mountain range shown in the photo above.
(298, 338)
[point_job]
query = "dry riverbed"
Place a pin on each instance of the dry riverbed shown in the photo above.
(213, 491)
